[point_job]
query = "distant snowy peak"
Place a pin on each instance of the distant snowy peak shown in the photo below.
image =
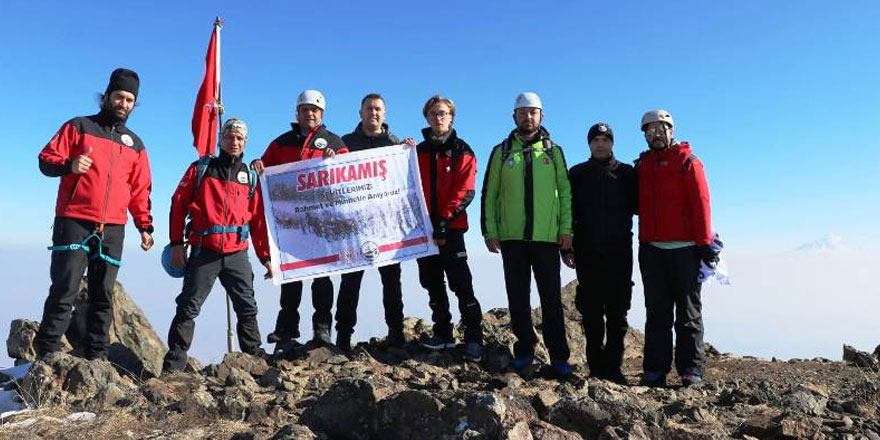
(828, 243)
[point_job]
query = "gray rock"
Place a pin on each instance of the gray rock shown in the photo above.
(61, 378)
(800, 428)
(234, 405)
(519, 431)
(805, 402)
(159, 392)
(412, 415)
(860, 359)
(251, 365)
(545, 431)
(198, 403)
(294, 432)
(20, 342)
(583, 416)
(240, 378)
(346, 410)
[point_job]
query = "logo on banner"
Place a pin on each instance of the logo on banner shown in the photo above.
(370, 250)
(347, 255)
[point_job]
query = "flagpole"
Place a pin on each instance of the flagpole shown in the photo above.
(218, 102)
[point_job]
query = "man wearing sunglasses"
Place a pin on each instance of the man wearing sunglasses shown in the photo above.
(675, 232)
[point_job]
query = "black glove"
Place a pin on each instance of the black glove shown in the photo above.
(440, 229)
(708, 255)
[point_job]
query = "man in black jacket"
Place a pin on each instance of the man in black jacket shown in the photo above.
(371, 132)
(604, 198)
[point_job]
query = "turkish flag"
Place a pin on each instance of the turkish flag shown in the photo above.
(206, 111)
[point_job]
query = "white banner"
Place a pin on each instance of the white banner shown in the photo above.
(354, 211)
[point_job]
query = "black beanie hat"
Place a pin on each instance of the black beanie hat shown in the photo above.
(600, 129)
(125, 80)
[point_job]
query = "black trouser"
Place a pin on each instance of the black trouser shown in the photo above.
(604, 293)
(452, 261)
(672, 289)
(202, 269)
(66, 272)
(520, 259)
(349, 292)
(287, 324)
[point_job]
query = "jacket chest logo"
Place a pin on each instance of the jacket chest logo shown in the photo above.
(320, 143)
(511, 163)
(242, 177)
(664, 162)
(546, 160)
(127, 140)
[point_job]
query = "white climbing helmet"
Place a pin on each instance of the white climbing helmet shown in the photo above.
(657, 115)
(312, 97)
(528, 100)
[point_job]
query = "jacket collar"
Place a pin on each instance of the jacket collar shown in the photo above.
(542, 133)
(298, 131)
(105, 118)
(447, 145)
(386, 132)
(226, 160)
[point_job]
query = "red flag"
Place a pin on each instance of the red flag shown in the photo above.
(206, 111)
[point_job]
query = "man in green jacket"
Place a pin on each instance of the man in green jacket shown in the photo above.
(526, 214)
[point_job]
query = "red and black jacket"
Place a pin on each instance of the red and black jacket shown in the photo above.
(448, 172)
(293, 146)
(118, 179)
(222, 199)
(673, 196)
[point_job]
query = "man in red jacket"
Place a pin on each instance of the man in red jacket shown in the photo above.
(225, 207)
(104, 171)
(448, 167)
(307, 139)
(675, 232)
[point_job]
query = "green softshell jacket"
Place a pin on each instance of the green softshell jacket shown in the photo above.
(526, 192)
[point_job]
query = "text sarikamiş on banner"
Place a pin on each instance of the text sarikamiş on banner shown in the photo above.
(351, 212)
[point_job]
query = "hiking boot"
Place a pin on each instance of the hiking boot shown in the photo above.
(473, 351)
(322, 336)
(285, 347)
(438, 343)
(689, 379)
(653, 379)
(617, 377)
(260, 353)
(520, 362)
(561, 369)
(96, 356)
(276, 337)
(395, 339)
(343, 342)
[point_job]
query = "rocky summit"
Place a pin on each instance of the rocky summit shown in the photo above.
(381, 392)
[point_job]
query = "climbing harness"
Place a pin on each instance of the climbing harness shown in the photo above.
(85, 247)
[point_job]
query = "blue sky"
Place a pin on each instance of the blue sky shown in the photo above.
(779, 100)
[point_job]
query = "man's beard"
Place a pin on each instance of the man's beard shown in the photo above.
(527, 132)
(659, 144)
(111, 111)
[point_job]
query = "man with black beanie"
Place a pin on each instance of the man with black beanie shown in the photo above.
(104, 171)
(604, 199)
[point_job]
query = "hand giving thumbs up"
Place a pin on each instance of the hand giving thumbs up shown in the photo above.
(82, 163)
